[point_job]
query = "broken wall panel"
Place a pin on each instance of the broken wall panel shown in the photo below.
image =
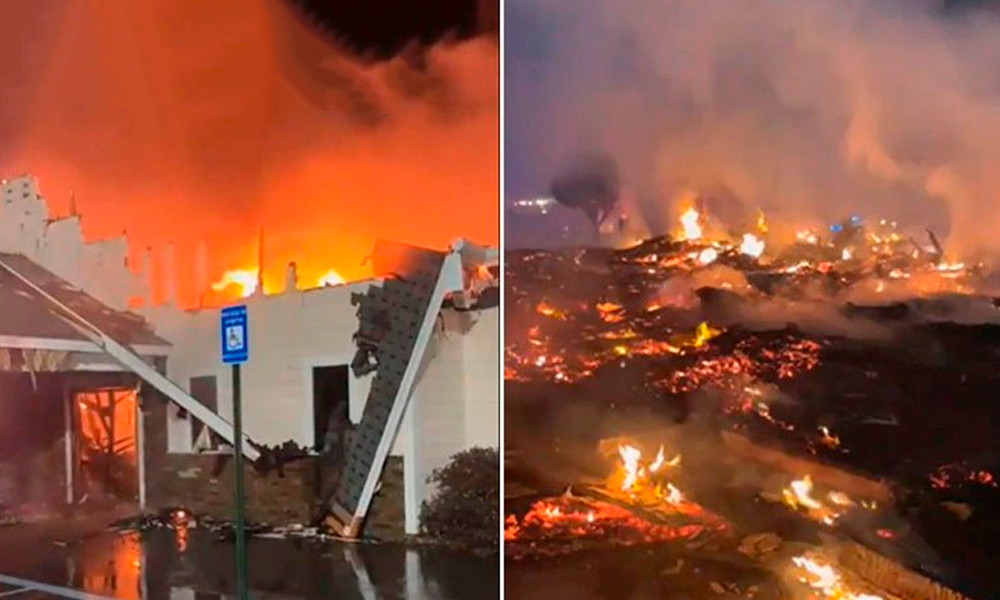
(406, 300)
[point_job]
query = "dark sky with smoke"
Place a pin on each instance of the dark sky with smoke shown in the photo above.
(190, 121)
(811, 109)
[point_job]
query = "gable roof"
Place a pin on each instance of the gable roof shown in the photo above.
(24, 313)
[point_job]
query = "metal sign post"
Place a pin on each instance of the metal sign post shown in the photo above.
(235, 351)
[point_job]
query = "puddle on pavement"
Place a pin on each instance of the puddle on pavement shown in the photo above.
(195, 565)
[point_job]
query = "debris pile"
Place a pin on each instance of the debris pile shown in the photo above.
(850, 347)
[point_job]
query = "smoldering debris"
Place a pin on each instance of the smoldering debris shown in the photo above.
(791, 348)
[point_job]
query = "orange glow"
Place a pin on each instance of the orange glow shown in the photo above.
(182, 134)
(113, 567)
(569, 517)
(242, 282)
(549, 311)
(331, 277)
(107, 423)
(610, 312)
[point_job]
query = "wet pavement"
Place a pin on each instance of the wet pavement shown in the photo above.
(196, 565)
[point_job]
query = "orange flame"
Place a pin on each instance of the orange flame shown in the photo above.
(330, 278)
(550, 311)
(691, 224)
(824, 578)
(703, 334)
(242, 280)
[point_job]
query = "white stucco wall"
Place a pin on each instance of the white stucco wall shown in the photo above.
(289, 335)
(455, 402)
(455, 399)
(482, 380)
(100, 267)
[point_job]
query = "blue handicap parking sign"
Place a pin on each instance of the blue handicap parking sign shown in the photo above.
(233, 330)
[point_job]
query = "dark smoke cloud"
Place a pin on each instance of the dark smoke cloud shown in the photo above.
(811, 109)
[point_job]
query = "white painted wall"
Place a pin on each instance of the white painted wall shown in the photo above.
(482, 380)
(455, 402)
(289, 334)
(99, 267)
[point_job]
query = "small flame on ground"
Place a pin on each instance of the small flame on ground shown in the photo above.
(827, 439)
(610, 312)
(549, 311)
(761, 222)
(708, 256)
(798, 495)
(824, 578)
(244, 280)
(752, 245)
(691, 222)
(807, 237)
(630, 456)
(674, 495)
(704, 333)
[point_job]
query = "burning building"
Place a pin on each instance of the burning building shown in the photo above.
(355, 392)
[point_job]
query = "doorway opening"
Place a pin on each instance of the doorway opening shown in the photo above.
(105, 449)
(330, 410)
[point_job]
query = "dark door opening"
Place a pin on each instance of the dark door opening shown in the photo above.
(330, 409)
(205, 390)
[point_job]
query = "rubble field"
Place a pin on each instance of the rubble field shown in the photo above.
(817, 417)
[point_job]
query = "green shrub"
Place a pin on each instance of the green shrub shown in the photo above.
(466, 508)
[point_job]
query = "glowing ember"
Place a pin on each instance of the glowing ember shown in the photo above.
(569, 517)
(691, 223)
(827, 439)
(824, 578)
(752, 245)
(846, 254)
(610, 312)
(549, 311)
(949, 476)
(330, 278)
(708, 256)
(806, 236)
(242, 280)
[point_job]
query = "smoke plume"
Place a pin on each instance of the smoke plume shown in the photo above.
(810, 109)
(191, 121)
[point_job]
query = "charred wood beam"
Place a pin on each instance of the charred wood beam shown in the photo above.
(892, 577)
(821, 473)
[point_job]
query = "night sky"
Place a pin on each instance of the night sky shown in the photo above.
(382, 28)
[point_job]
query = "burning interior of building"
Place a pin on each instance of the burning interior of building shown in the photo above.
(754, 413)
(355, 394)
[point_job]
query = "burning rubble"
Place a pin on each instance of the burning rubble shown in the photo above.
(637, 503)
(846, 346)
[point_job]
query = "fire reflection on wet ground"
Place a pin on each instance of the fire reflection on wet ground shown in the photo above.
(166, 564)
